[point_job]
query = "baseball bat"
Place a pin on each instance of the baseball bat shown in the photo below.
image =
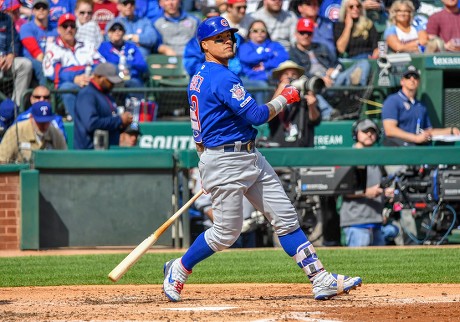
(143, 247)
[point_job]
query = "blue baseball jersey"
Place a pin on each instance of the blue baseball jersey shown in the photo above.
(410, 116)
(221, 110)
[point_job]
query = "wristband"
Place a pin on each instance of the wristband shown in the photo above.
(278, 103)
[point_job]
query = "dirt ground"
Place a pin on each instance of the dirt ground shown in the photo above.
(230, 302)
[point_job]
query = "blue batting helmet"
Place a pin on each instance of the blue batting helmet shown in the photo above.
(213, 26)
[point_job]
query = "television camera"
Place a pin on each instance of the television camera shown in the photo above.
(432, 193)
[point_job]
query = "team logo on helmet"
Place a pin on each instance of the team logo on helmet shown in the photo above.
(238, 92)
(224, 23)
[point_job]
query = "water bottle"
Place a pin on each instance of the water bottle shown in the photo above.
(123, 71)
(336, 72)
(88, 70)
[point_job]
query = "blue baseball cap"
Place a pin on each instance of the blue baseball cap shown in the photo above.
(7, 108)
(42, 112)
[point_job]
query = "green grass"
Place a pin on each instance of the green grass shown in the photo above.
(392, 265)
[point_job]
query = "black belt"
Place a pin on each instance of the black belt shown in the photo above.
(245, 147)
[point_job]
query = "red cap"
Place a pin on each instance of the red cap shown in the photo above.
(234, 1)
(306, 24)
(66, 17)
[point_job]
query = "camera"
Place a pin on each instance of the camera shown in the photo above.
(305, 84)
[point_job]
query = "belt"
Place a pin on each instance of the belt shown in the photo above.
(236, 147)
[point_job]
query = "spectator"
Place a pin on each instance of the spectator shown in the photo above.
(324, 31)
(39, 94)
(8, 112)
(405, 119)
(259, 56)
(314, 58)
(128, 138)
(66, 60)
(149, 9)
(305, 8)
(175, 26)
(140, 31)
(36, 134)
(10, 63)
(281, 24)
(361, 214)
(98, 110)
(88, 30)
(58, 9)
(120, 52)
(34, 37)
(12, 7)
(236, 16)
(104, 11)
(443, 28)
(401, 35)
(356, 38)
(295, 125)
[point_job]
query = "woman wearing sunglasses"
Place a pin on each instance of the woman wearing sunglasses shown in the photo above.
(401, 35)
(356, 38)
(87, 29)
(260, 55)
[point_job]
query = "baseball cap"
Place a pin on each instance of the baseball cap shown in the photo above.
(42, 112)
(235, 1)
(205, 11)
(10, 5)
(411, 70)
(113, 23)
(40, 1)
(288, 64)
(367, 124)
(305, 24)
(133, 128)
(108, 70)
(66, 17)
(7, 108)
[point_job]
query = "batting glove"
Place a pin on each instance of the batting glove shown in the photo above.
(291, 94)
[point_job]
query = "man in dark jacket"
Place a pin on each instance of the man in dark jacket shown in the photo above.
(97, 110)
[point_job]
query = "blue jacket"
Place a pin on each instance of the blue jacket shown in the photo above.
(134, 59)
(95, 110)
(148, 9)
(148, 36)
(270, 53)
(7, 34)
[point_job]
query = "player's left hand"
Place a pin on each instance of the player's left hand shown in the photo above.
(291, 94)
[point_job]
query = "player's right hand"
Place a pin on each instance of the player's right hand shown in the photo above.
(291, 94)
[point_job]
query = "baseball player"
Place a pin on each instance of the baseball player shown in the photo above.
(222, 115)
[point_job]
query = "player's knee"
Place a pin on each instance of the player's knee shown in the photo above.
(219, 241)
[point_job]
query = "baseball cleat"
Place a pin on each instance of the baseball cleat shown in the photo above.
(327, 285)
(175, 277)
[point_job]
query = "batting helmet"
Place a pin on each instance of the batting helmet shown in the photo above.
(213, 26)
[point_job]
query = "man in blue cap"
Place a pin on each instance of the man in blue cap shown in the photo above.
(8, 111)
(36, 134)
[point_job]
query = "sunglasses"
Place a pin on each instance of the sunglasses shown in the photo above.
(256, 31)
(352, 6)
(41, 6)
(41, 97)
(241, 7)
(89, 13)
(415, 76)
(66, 25)
(303, 33)
(128, 2)
(120, 28)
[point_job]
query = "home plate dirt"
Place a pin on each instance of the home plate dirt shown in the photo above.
(230, 302)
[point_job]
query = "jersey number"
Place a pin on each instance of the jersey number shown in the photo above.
(195, 119)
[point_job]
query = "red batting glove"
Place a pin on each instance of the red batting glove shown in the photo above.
(291, 94)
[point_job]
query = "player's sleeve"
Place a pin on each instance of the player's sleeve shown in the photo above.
(234, 95)
(29, 41)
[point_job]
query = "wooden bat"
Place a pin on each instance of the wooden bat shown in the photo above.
(143, 247)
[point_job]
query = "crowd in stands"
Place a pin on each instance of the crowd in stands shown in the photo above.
(58, 43)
